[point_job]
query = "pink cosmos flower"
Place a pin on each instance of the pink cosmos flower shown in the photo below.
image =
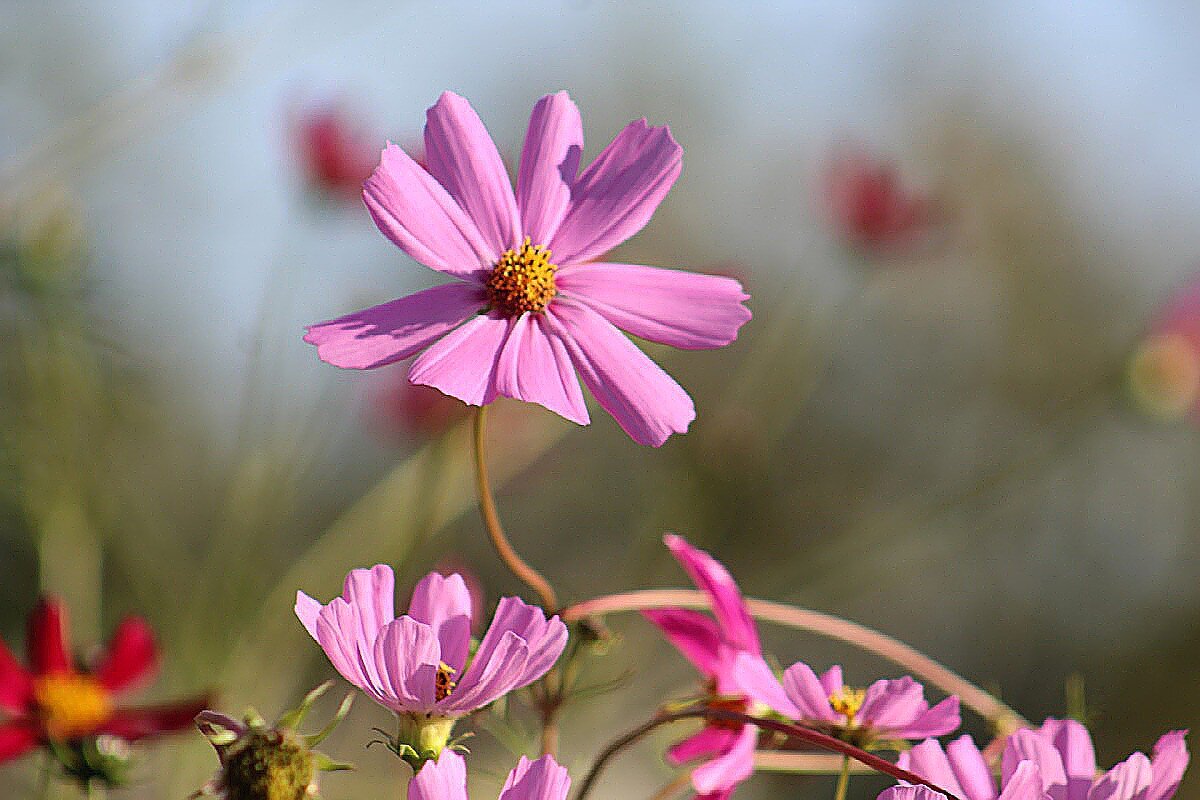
(416, 664)
(1025, 784)
(1164, 373)
(530, 307)
(1062, 750)
(725, 650)
(886, 710)
(446, 779)
(871, 207)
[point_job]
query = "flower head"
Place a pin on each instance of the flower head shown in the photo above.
(416, 664)
(1164, 372)
(885, 711)
(725, 650)
(268, 762)
(1062, 751)
(871, 207)
(71, 708)
(1026, 784)
(446, 779)
(531, 308)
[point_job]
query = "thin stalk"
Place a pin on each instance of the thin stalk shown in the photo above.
(812, 737)
(843, 783)
(491, 520)
(991, 708)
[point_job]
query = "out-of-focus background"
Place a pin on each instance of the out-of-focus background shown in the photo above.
(956, 222)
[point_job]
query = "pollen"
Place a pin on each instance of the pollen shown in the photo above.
(847, 702)
(71, 704)
(443, 686)
(522, 280)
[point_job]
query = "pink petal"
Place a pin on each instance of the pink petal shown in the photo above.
(549, 162)
(307, 611)
(393, 331)
(443, 602)
(463, 363)
(406, 657)
(645, 401)
(46, 639)
(413, 210)
(615, 197)
(972, 771)
(682, 309)
(1027, 745)
(131, 656)
(535, 366)
(1128, 780)
(1024, 784)
(444, 779)
(831, 681)
(910, 793)
(492, 677)
(1074, 744)
(372, 593)
(808, 693)
(928, 760)
(338, 631)
(16, 686)
(543, 779)
(891, 706)
(757, 682)
(17, 737)
(943, 718)
(730, 768)
(711, 577)
(462, 156)
(708, 742)
(693, 634)
(1169, 762)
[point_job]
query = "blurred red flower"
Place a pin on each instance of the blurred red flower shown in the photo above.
(55, 700)
(1164, 373)
(334, 153)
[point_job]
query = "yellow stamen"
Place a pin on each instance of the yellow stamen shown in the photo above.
(847, 702)
(522, 280)
(71, 704)
(442, 683)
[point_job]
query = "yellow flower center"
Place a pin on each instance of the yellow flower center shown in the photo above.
(522, 280)
(442, 683)
(847, 702)
(71, 704)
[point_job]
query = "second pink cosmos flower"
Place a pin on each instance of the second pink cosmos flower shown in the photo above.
(531, 311)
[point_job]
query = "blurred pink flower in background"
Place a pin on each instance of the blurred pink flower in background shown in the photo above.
(515, 322)
(1164, 373)
(1066, 760)
(871, 207)
(725, 649)
(410, 410)
(332, 150)
(446, 779)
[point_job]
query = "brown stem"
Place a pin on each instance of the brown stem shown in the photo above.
(872, 641)
(815, 738)
(491, 520)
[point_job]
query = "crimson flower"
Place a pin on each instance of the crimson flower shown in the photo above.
(872, 209)
(57, 701)
(334, 154)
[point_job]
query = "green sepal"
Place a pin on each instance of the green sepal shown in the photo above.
(326, 764)
(314, 739)
(293, 718)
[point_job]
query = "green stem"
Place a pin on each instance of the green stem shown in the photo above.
(491, 521)
(843, 780)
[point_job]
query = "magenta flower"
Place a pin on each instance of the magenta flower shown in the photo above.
(530, 307)
(416, 664)
(446, 779)
(885, 711)
(1025, 784)
(1164, 373)
(725, 650)
(1062, 750)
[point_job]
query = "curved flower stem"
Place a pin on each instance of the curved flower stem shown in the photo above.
(491, 520)
(920, 665)
(821, 740)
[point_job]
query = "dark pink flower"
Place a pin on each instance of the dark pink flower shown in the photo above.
(1066, 766)
(333, 152)
(57, 700)
(530, 310)
(1164, 373)
(871, 207)
(446, 779)
(725, 650)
